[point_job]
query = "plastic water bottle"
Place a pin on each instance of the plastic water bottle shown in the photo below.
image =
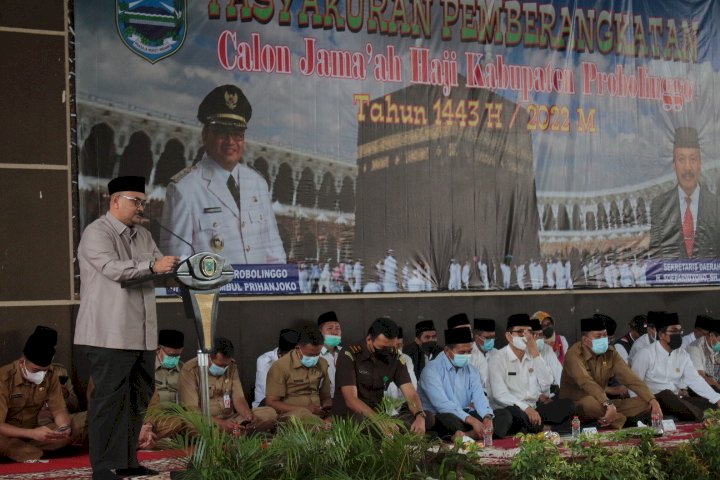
(657, 423)
(487, 436)
(575, 427)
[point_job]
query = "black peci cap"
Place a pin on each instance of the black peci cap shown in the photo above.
(126, 184)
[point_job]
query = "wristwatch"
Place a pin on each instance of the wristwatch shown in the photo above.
(151, 266)
(607, 404)
(420, 413)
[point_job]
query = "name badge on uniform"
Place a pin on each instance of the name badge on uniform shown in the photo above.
(212, 210)
(226, 400)
(531, 370)
(677, 370)
(512, 373)
(16, 395)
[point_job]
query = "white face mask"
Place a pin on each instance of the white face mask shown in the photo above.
(36, 377)
(519, 343)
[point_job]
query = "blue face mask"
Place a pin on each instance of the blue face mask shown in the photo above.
(216, 371)
(310, 361)
(459, 360)
(600, 345)
(170, 361)
(332, 341)
(488, 345)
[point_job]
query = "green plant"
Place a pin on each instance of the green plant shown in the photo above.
(707, 446)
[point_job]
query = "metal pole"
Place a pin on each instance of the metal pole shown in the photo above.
(203, 364)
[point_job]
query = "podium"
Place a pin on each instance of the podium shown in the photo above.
(199, 278)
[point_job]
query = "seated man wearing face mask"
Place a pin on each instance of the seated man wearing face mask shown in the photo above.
(483, 346)
(298, 384)
(547, 354)
(365, 371)
(286, 343)
(331, 331)
(168, 364)
(425, 347)
(228, 407)
(705, 353)
(26, 385)
(451, 388)
(647, 339)
(520, 379)
(589, 365)
(667, 370)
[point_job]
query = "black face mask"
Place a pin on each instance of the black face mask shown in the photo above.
(428, 347)
(675, 341)
(548, 332)
(383, 354)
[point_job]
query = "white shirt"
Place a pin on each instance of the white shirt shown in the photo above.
(393, 391)
(331, 359)
(479, 360)
(672, 371)
(552, 361)
(704, 358)
(518, 382)
(694, 200)
(639, 344)
(263, 364)
(688, 339)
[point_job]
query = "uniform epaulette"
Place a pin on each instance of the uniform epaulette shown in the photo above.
(402, 359)
(355, 348)
(182, 173)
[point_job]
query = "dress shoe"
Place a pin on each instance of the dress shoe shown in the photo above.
(135, 471)
(105, 475)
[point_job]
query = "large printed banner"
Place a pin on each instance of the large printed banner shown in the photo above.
(412, 145)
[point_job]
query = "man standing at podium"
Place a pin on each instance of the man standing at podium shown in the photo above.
(117, 327)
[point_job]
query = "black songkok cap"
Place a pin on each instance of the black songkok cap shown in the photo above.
(46, 332)
(592, 324)
(518, 320)
(653, 317)
(665, 319)
(458, 320)
(484, 324)
(171, 338)
(327, 317)
(288, 339)
(39, 349)
(610, 323)
(126, 184)
(453, 336)
(686, 137)
(424, 326)
(535, 325)
(705, 322)
(225, 105)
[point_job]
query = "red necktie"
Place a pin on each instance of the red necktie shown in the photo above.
(688, 229)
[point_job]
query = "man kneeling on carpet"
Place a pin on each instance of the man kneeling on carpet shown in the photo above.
(228, 407)
(25, 386)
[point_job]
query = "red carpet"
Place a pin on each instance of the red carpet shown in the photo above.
(78, 467)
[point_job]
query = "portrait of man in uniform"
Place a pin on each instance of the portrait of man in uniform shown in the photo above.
(684, 220)
(221, 204)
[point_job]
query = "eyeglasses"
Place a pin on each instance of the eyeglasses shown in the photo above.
(139, 202)
(227, 131)
(519, 332)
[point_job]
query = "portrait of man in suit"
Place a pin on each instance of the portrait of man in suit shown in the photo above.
(684, 220)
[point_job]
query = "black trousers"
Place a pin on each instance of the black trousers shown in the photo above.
(446, 424)
(685, 409)
(124, 382)
(558, 413)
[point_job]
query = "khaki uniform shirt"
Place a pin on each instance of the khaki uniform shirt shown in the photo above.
(111, 316)
(166, 381)
(356, 366)
(21, 401)
(220, 404)
(585, 373)
(296, 384)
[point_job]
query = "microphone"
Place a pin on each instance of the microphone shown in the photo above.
(156, 222)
